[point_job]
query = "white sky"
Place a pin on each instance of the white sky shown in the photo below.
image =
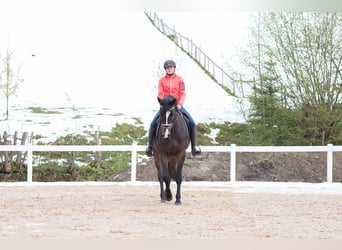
(100, 56)
(77, 46)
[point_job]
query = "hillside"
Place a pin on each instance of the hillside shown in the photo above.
(106, 73)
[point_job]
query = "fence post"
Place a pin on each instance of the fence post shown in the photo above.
(330, 163)
(232, 162)
(29, 163)
(134, 162)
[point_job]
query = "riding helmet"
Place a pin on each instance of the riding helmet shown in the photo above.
(169, 63)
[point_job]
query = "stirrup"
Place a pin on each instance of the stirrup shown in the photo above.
(149, 151)
(195, 151)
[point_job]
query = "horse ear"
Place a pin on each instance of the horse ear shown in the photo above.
(159, 100)
(174, 102)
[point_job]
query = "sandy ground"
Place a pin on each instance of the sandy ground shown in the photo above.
(135, 212)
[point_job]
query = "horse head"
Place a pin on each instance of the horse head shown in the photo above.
(168, 109)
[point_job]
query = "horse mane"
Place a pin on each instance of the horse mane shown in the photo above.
(168, 102)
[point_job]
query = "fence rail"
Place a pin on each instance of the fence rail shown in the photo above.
(134, 148)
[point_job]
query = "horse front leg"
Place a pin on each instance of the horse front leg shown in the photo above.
(168, 193)
(159, 165)
(161, 184)
(165, 194)
(166, 179)
(179, 179)
(164, 176)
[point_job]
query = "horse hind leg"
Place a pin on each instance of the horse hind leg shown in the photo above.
(179, 179)
(178, 193)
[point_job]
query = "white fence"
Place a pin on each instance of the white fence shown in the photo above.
(134, 148)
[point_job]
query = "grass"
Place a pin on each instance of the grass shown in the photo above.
(40, 110)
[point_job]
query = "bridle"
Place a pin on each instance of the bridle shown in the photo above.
(166, 127)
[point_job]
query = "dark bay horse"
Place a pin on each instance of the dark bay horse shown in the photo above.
(169, 147)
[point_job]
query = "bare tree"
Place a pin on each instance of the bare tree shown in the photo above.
(9, 78)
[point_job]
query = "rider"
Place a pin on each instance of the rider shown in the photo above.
(172, 84)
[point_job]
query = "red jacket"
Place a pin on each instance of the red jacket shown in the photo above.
(172, 85)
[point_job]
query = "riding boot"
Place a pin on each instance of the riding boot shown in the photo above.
(194, 150)
(151, 135)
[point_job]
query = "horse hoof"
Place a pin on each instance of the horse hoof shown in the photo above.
(178, 203)
(162, 201)
(168, 196)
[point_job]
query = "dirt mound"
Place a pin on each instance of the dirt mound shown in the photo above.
(285, 167)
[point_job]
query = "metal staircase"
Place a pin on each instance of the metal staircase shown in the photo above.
(214, 71)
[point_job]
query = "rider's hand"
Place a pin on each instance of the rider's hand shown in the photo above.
(179, 106)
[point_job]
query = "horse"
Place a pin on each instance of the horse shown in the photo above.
(169, 147)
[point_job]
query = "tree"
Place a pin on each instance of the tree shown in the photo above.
(304, 50)
(9, 78)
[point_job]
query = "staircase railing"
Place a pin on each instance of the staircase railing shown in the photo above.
(213, 70)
